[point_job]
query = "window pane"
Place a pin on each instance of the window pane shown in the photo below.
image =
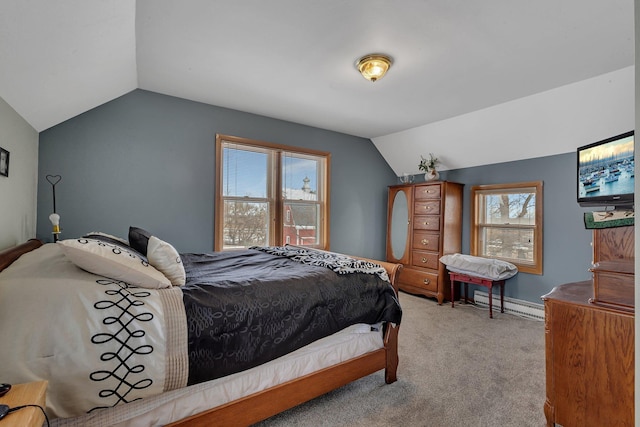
(510, 208)
(508, 243)
(245, 173)
(245, 224)
(299, 177)
(302, 222)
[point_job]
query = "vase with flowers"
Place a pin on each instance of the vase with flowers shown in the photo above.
(429, 167)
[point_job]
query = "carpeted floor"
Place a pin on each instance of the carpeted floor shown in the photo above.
(457, 368)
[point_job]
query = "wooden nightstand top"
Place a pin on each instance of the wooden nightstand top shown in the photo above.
(25, 394)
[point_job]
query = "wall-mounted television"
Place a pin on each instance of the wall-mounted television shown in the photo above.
(606, 172)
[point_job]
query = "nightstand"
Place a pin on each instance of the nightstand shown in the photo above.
(25, 394)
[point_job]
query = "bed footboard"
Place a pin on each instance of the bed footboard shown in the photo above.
(391, 331)
(391, 349)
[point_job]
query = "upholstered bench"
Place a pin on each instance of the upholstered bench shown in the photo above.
(487, 272)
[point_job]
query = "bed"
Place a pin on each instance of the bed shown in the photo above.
(247, 384)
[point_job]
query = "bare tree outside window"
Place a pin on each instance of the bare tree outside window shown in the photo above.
(245, 224)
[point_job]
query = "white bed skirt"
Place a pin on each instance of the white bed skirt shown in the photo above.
(178, 404)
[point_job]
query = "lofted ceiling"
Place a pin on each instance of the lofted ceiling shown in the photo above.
(294, 59)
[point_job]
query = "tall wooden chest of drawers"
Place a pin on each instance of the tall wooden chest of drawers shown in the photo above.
(589, 339)
(424, 223)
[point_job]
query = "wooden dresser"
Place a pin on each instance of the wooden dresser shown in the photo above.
(589, 339)
(417, 238)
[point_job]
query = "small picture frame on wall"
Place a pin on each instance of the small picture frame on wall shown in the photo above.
(4, 162)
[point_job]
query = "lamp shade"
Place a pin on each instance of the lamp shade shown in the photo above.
(373, 67)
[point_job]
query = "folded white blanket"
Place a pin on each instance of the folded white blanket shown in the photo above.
(487, 268)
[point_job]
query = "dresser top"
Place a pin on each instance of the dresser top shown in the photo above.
(580, 294)
(576, 292)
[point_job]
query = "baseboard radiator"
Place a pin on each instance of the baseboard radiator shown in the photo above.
(511, 305)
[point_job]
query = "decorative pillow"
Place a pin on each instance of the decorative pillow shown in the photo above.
(139, 239)
(166, 259)
(98, 235)
(489, 268)
(114, 261)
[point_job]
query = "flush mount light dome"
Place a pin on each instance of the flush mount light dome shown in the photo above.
(373, 67)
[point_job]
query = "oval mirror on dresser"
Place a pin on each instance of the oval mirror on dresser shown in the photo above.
(398, 224)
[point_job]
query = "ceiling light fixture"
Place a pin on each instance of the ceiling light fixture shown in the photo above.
(374, 66)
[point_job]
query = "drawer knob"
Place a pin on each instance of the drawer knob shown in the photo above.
(426, 223)
(424, 260)
(425, 242)
(427, 208)
(426, 281)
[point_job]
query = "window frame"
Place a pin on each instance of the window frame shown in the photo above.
(478, 191)
(275, 196)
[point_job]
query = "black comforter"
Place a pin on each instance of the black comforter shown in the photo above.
(247, 307)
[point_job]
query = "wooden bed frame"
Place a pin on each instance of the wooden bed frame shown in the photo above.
(264, 404)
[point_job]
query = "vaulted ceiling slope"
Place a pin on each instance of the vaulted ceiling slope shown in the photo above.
(294, 59)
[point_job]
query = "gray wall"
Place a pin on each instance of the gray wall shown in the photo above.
(566, 243)
(147, 159)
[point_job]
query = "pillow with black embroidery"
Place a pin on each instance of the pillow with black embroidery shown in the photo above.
(113, 261)
(166, 259)
(98, 235)
(160, 254)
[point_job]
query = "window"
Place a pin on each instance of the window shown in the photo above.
(270, 194)
(507, 224)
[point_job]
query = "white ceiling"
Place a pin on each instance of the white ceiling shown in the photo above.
(294, 59)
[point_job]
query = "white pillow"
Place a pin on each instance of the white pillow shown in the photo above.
(490, 268)
(166, 259)
(113, 261)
